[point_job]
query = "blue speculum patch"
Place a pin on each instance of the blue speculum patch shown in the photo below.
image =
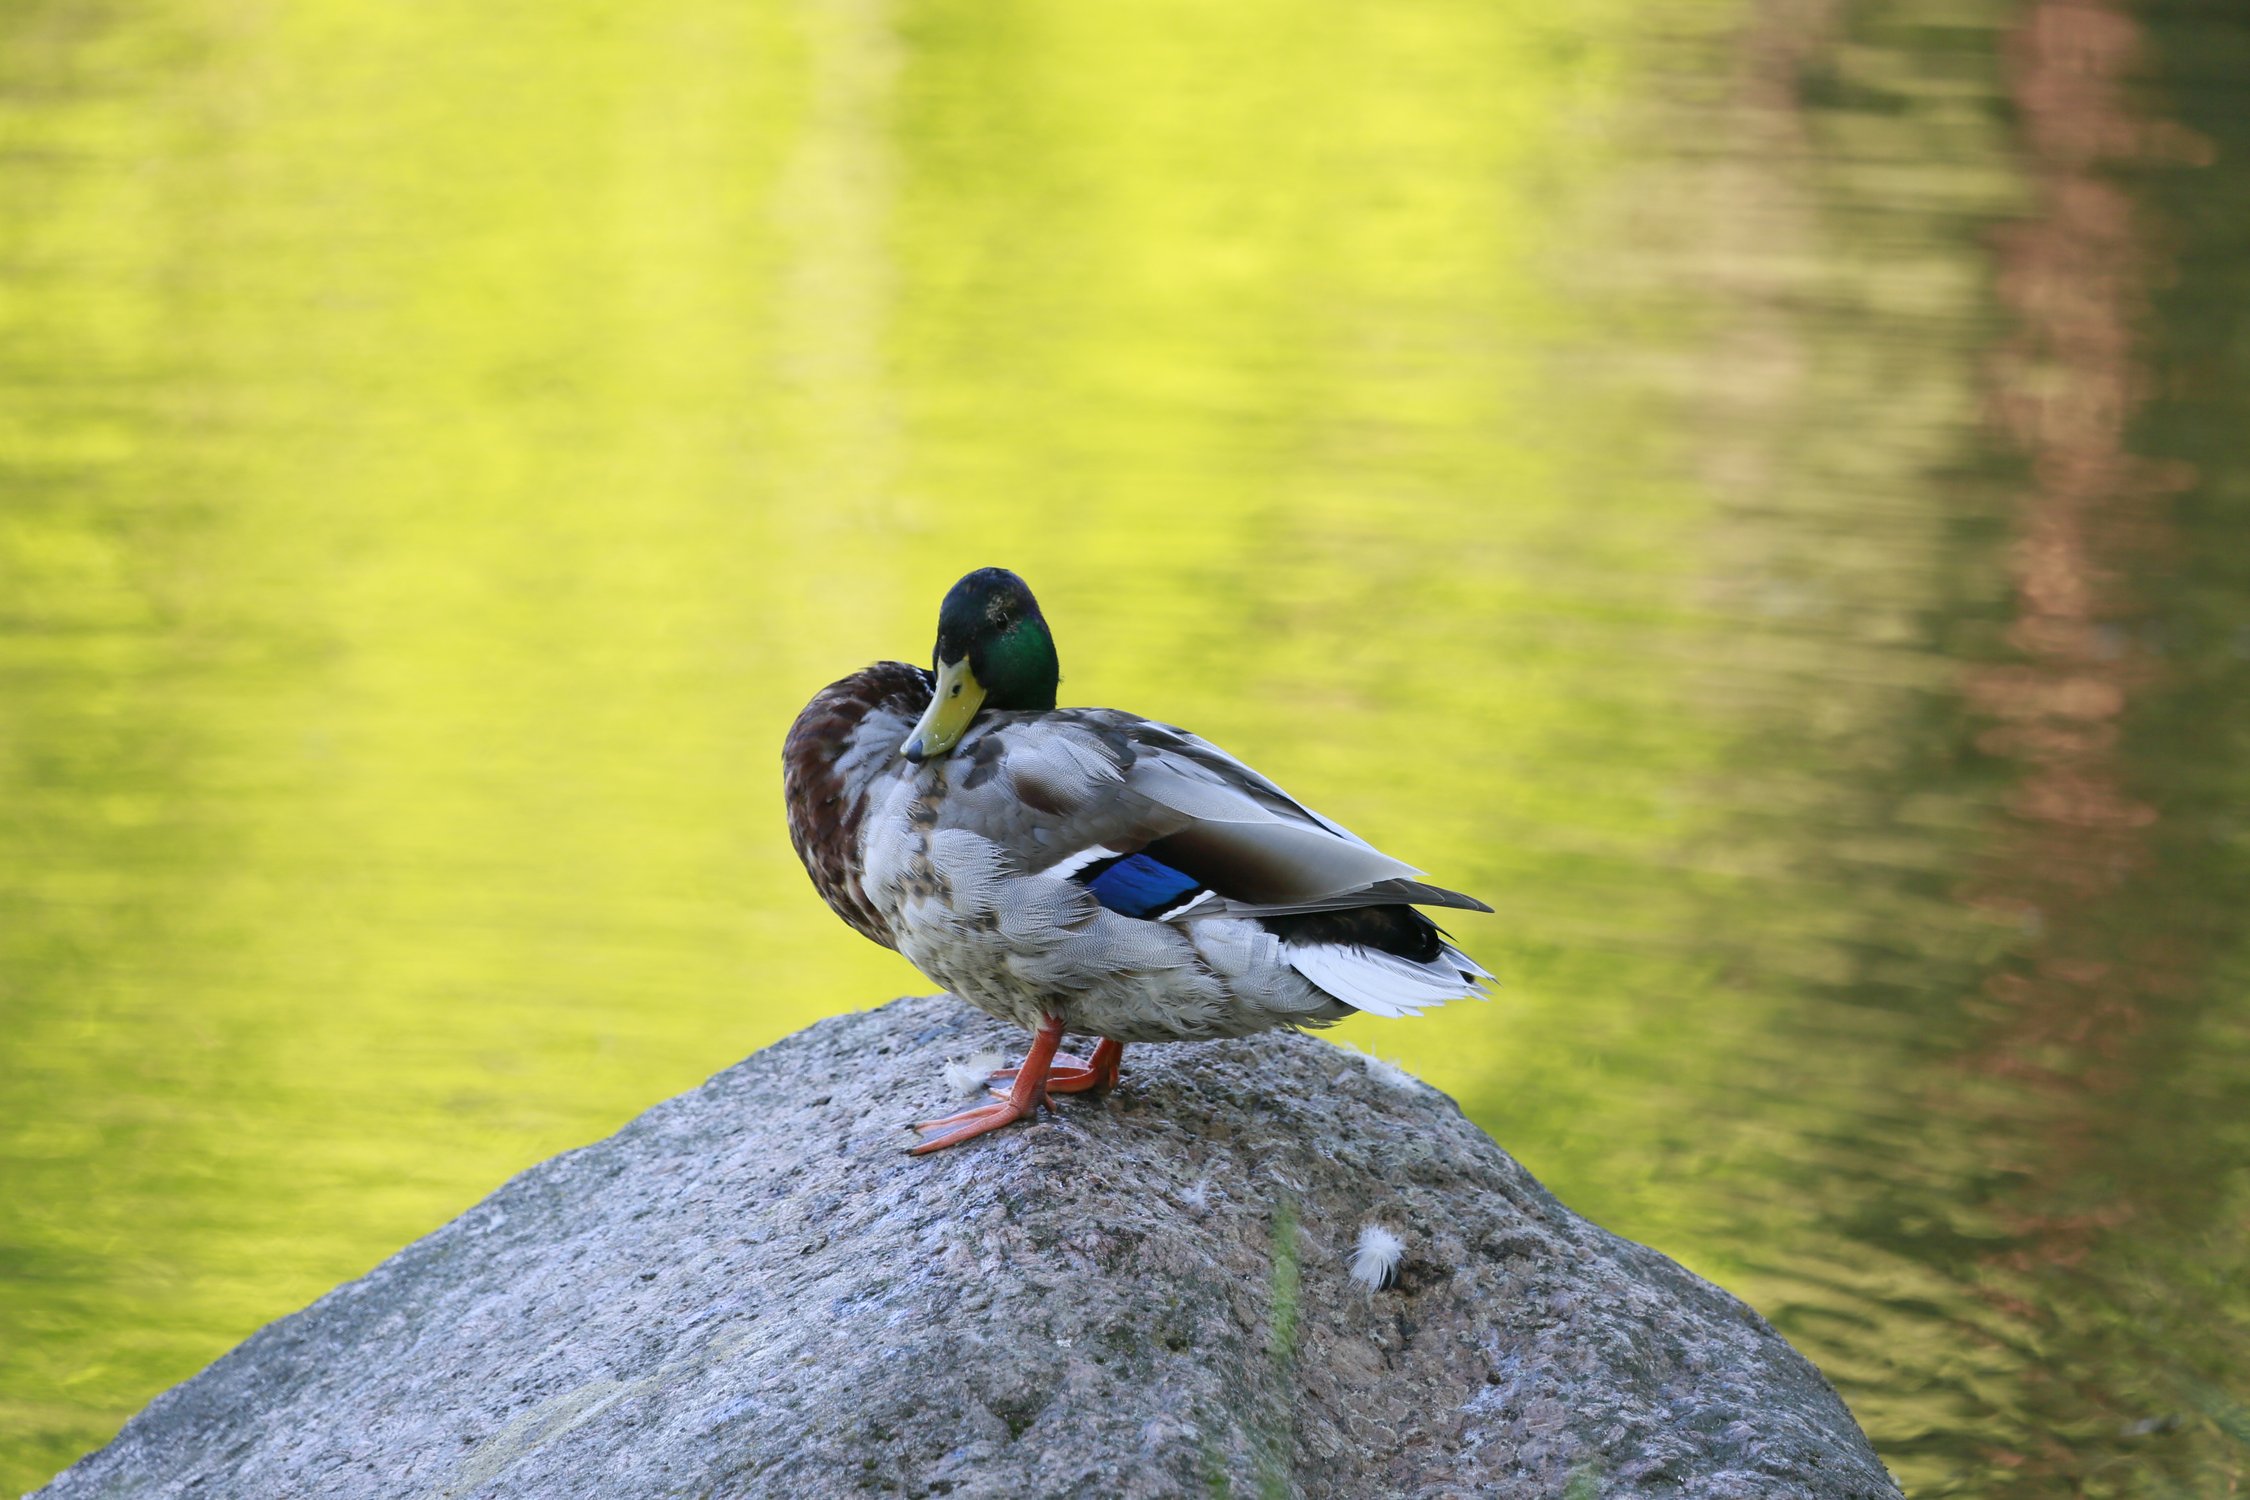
(1138, 886)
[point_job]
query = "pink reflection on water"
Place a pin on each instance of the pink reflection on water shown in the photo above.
(2064, 390)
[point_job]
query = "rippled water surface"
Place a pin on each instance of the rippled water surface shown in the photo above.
(1757, 492)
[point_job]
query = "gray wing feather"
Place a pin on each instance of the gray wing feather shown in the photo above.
(1049, 786)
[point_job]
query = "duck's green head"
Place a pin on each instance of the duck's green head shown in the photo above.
(993, 650)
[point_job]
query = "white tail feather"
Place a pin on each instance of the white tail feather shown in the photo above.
(1384, 984)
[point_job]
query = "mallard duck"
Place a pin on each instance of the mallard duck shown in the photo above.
(1087, 870)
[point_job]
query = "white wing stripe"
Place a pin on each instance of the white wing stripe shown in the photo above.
(1071, 864)
(1193, 903)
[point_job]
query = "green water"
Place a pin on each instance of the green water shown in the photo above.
(1756, 493)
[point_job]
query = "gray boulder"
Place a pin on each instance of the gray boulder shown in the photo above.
(751, 1290)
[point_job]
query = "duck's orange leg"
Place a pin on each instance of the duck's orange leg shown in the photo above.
(1020, 1102)
(1076, 1075)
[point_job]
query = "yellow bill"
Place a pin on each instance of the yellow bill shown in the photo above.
(958, 697)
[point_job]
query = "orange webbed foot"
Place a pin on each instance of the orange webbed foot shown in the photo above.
(1075, 1075)
(1019, 1103)
(968, 1125)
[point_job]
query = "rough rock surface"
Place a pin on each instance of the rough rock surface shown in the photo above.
(751, 1290)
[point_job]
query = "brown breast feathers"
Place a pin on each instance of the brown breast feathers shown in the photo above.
(827, 769)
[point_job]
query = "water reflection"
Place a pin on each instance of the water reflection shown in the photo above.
(1757, 502)
(2017, 1265)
